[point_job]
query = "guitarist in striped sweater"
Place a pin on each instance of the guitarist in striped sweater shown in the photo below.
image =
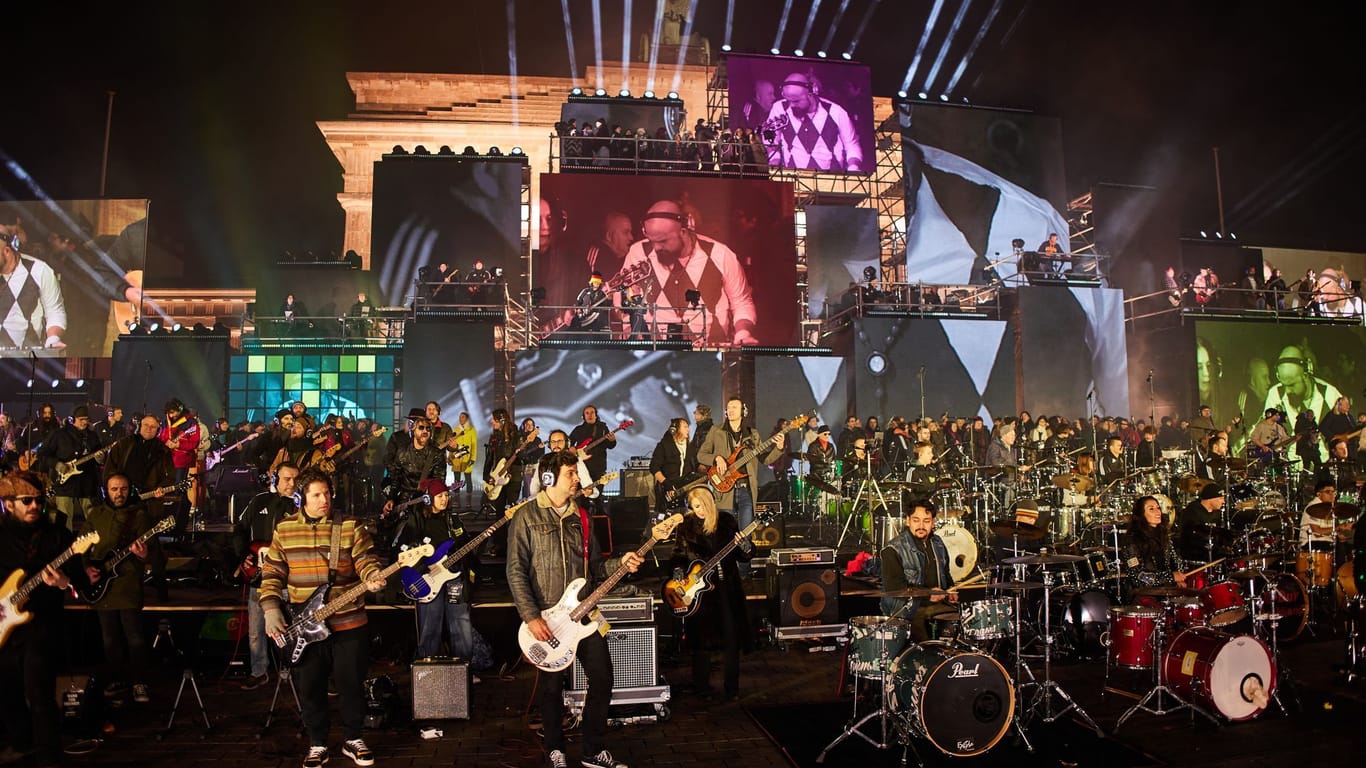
(297, 562)
(252, 534)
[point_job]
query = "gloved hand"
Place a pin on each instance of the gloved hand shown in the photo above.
(275, 622)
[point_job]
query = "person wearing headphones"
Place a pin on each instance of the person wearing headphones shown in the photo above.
(1297, 390)
(673, 462)
(251, 534)
(450, 609)
(592, 307)
(35, 292)
(550, 543)
(721, 442)
(807, 131)
(699, 282)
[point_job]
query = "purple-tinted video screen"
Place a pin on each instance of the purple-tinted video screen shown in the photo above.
(812, 114)
(732, 241)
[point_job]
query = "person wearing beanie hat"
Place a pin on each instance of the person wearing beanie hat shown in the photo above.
(74, 486)
(1203, 532)
(443, 606)
(591, 307)
(29, 542)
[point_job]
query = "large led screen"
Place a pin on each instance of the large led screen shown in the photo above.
(647, 388)
(841, 243)
(357, 386)
(629, 114)
(786, 386)
(434, 210)
(1297, 265)
(1243, 368)
(811, 114)
(729, 240)
(964, 368)
(1072, 350)
(79, 277)
(976, 179)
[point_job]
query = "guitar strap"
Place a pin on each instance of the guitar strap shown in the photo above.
(334, 554)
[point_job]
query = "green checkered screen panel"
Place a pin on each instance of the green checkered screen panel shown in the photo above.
(356, 386)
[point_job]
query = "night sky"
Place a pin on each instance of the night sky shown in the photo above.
(214, 118)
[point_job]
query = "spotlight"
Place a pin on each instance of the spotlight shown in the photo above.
(469, 151)
(902, 94)
(1202, 233)
(200, 330)
(725, 47)
(495, 152)
(1219, 235)
(965, 100)
(943, 97)
(445, 151)
(132, 324)
(399, 150)
(673, 95)
(923, 95)
(576, 91)
(517, 152)
(774, 51)
(820, 54)
(625, 93)
(421, 151)
(1232, 236)
(29, 384)
(56, 382)
(175, 327)
(799, 52)
(600, 92)
(649, 94)
(847, 56)
(153, 327)
(80, 383)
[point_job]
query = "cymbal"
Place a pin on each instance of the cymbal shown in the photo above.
(1165, 592)
(1192, 484)
(908, 592)
(1015, 586)
(1073, 482)
(1338, 509)
(1012, 529)
(1248, 573)
(822, 484)
(1044, 560)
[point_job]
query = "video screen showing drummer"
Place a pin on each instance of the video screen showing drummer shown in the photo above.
(917, 558)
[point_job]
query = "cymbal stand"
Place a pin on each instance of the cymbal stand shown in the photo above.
(1048, 687)
(1021, 670)
(868, 484)
(1160, 688)
(885, 691)
(1284, 676)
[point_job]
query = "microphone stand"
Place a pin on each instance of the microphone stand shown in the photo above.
(32, 379)
(921, 376)
(1152, 401)
(146, 377)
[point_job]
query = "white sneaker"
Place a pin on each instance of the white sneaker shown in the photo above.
(317, 756)
(558, 760)
(358, 752)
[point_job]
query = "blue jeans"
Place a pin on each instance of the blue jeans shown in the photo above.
(256, 634)
(437, 615)
(744, 515)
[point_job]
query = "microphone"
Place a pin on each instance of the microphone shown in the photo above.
(922, 370)
(1089, 394)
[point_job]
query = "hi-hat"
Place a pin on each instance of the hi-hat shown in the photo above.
(1012, 529)
(1337, 509)
(1015, 586)
(910, 592)
(1073, 482)
(1045, 560)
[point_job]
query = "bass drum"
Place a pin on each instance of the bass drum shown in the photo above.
(962, 549)
(1234, 675)
(960, 702)
(1288, 598)
(1080, 620)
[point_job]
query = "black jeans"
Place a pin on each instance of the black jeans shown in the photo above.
(597, 666)
(125, 643)
(344, 655)
(28, 691)
(729, 627)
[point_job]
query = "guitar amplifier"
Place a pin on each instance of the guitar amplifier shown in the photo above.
(441, 689)
(803, 556)
(633, 659)
(627, 610)
(638, 462)
(638, 482)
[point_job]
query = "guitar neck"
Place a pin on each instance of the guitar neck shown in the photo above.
(119, 555)
(31, 583)
(726, 550)
(611, 581)
(350, 595)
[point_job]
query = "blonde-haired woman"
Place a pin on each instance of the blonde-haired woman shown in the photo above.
(721, 621)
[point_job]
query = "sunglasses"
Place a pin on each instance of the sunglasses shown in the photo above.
(27, 500)
(422, 429)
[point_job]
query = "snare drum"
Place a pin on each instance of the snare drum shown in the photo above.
(1223, 603)
(873, 639)
(960, 702)
(1315, 568)
(988, 619)
(1094, 567)
(962, 549)
(1131, 635)
(1234, 675)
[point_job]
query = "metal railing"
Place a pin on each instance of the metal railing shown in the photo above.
(1252, 303)
(913, 299)
(380, 330)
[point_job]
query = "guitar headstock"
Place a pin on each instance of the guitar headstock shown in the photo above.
(665, 528)
(83, 543)
(625, 425)
(606, 478)
(413, 555)
(163, 525)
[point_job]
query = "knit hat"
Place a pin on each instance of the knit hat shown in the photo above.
(433, 486)
(1211, 491)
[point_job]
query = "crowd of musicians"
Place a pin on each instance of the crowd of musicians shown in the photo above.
(101, 489)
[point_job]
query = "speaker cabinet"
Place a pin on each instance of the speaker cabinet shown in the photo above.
(441, 689)
(630, 518)
(806, 595)
(766, 537)
(638, 482)
(633, 659)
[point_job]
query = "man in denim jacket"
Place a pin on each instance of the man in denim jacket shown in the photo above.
(917, 558)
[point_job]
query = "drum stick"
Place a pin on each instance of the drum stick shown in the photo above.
(968, 583)
(1188, 574)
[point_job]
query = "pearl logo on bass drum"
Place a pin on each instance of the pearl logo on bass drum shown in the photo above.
(957, 671)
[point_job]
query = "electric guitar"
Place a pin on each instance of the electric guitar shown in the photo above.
(624, 278)
(723, 482)
(309, 623)
(423, 499)
(683, 593)
(65, 470)
(180, 486)
(15, 591)
(424, 586)
(566, 619)
(215, 457)
(328, 463)
(587, 445)
(109, 567)
(493, 487)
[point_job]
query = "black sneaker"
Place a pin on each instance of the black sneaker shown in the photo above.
(603, 759)
(317, 756)
(254, 682)
(558, 760)
(358, 752)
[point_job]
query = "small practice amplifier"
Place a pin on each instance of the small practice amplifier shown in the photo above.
(627, 610)
(803, 556)
(441, 689)
(633, 659)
